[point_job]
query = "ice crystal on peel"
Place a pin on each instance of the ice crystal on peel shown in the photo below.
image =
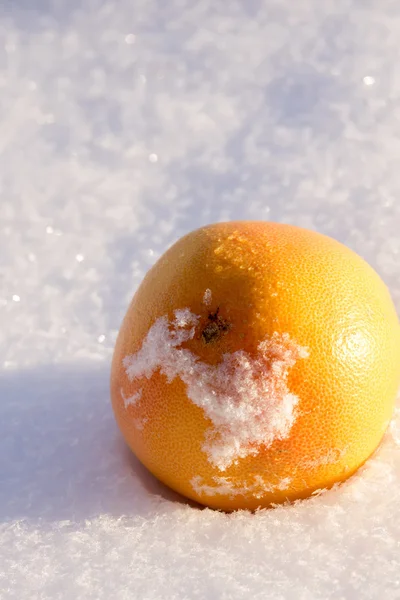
(132, 400)
(207, 298)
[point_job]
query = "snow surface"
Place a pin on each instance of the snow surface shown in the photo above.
(124, 125)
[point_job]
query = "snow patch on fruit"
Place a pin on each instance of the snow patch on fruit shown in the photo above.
(245, 396)
(132, 400)
(225, 486)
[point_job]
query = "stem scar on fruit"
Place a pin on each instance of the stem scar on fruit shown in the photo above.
(216, 328)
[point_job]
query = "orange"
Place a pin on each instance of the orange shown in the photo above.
(257, 363)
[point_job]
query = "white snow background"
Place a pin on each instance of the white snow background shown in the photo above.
(123, 125)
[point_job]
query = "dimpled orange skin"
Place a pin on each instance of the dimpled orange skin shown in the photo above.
(265, 278)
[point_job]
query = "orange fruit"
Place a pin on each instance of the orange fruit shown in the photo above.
(257, 363)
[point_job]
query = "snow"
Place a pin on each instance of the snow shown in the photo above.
(124, 125)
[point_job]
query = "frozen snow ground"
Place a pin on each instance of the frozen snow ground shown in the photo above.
(123, 125)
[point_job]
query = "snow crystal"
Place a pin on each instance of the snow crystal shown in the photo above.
(140, 423)
(332, 456)
(207, 298)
